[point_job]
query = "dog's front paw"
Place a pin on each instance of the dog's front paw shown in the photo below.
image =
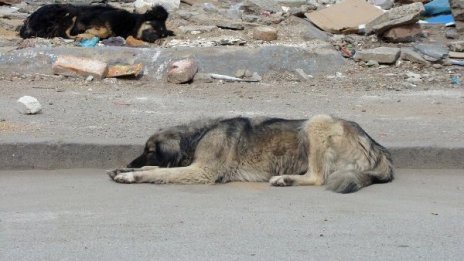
(280, 181)
(126, 177)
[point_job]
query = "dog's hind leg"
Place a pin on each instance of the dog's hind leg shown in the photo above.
(318, 130)
(192, 174)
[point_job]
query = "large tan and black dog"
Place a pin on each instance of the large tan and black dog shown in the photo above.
(86, 21)
(322, 150)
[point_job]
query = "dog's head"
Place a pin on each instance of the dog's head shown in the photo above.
(154, 25)
(162, 150)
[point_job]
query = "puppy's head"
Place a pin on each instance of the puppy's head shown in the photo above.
(154, 26)
(160, 150)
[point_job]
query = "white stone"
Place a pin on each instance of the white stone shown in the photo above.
(28, 105)
(141, 6)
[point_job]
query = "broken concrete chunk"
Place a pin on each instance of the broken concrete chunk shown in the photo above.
(28, 105)
(405, 14)
(403, 33)
(435, 51)
(125, 70)
(182, 71)
(456, 46)
(409, 54)
(265, 33)
(383, 55)
(79, 66)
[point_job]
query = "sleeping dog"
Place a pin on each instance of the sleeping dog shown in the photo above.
(87, 21)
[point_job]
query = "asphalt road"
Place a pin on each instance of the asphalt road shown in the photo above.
(82, 215)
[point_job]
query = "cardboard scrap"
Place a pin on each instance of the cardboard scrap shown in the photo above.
(345, 17)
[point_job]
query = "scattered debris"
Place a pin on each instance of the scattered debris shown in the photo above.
(303, 75)
(182, 71)
(413, 77)
(124, 70)
(455, 79)
(265, 33)
(456, 46)
(405, 14)
(141, 6)
(28, 105)
(383, 55)
(451, 33)
(384, 4)
(196, 29)
(344, 17)
(79, 66)
(10, 2)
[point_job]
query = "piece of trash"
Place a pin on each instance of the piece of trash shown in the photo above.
(114, 41)
(455, 79)
(89, 78)
(79, 66)
(92, 42)
(437, 7)
(344, 17)
(457, 62)
(347, 51)
(182, 71)
(447, 20)
(457, 55)
(234, 79)
(125, 70)
(28, 105)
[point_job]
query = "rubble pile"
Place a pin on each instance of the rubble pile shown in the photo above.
(372, 33)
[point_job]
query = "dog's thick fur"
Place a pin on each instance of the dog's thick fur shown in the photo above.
(322, 150)
(86, 21)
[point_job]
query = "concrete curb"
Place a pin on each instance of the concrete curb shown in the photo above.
(314, 58)
(61, 155)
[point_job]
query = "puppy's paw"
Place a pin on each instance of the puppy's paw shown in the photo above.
(126, 177)
(280, 181)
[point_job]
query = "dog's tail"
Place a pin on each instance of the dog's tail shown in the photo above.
(347, 157)
(373, 163)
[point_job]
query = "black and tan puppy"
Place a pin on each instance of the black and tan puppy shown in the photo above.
(86, 21)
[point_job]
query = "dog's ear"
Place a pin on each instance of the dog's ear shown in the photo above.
(156, 13)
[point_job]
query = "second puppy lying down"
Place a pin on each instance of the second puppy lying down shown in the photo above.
(86, 21)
